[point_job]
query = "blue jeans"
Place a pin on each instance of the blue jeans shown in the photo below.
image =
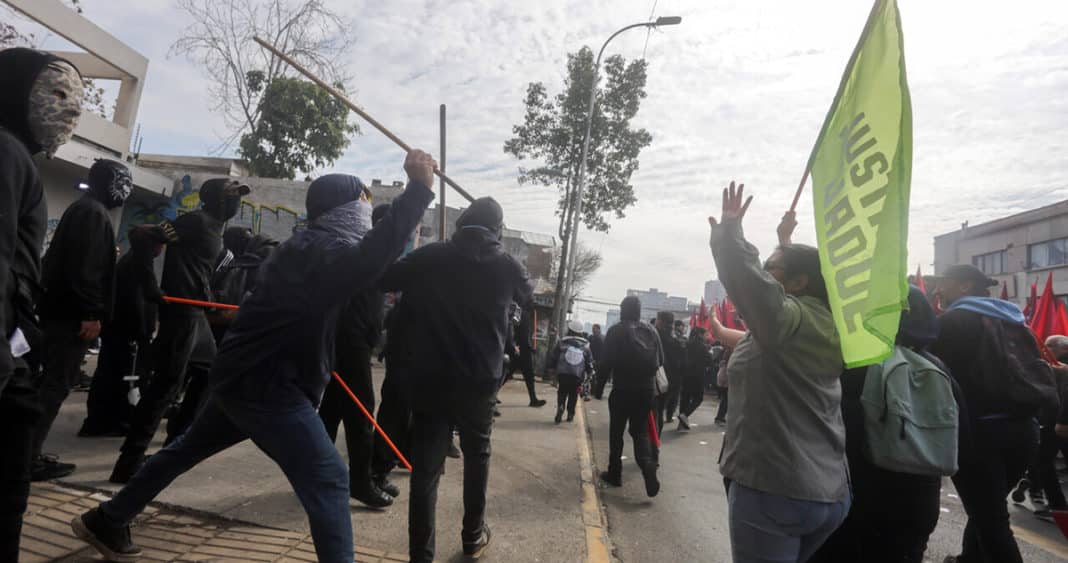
(291, 435)
(767, 528)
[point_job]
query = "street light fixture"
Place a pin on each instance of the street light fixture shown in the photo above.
(581, 183)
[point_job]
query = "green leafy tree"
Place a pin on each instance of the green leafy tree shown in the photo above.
(301, 127)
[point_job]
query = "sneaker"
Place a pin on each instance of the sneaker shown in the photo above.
(453, 452)
(559, 414)
(371, 496)
(383, 483)
(1044, 514)
(476, 549)
(48, 467)
(113, 543)
(586, 399)
(652, 484)
(571, 417)
(126, 467)
(537, 403)
(1038, 498)
(721, 422)
(496, 412)
(1019, 493)
(83, 384)
(684, 422)
(609, 479)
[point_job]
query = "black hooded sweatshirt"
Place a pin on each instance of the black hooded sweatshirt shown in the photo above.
(79, 267)
(135, 281)
(458, 293)
(23, 210)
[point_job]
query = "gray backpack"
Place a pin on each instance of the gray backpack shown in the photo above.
(910, 416)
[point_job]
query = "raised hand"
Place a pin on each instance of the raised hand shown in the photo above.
(734, 204)
(786, 228)
(420, 167)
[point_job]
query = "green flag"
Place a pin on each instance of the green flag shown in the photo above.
(861, 168)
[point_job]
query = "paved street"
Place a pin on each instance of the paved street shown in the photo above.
(687, 521)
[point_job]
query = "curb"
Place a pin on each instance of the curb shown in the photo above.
(594, 521)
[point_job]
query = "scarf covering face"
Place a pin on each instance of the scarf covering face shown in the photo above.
(110, 180)
(55, 104)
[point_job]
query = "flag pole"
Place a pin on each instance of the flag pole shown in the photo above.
(341, 97)
(800, 188)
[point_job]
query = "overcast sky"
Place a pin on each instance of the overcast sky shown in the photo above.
(738, 91)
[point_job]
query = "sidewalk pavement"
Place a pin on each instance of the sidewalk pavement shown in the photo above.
(534, 502)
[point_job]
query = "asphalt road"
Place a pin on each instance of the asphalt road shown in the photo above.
(687, 521)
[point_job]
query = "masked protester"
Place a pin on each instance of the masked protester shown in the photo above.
(79, 276)
(463, 289)
(275, 362)
(40, 103)
(126, 337)
(194, 241)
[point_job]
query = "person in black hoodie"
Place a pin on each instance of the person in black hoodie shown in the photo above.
(40, 103)
(126, 337)
(463, 288)
(358, 328)
(700, 357)
(674, 368)
(275, 362)
(194, 241)
(632, 354)
(78, 277)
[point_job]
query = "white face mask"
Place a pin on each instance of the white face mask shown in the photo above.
(363, 217)
(55, 105)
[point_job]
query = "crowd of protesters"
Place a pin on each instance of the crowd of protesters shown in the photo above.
(819, 462)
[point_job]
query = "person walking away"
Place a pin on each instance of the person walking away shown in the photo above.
(358, 328)
(632, 354)
(275, 362)
(995, 359)
(597, 349)
(784, 450)
(126, 338)
(194, 241)
(394, 409)
(78, 276)
(524, 340)
(700, 357)
(674, 368)
(462, 289)
(40, 103)
(571, 361)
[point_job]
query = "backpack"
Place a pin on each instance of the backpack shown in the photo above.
(910, 416)
(572, 359)
(1012, 368)
(640, 349)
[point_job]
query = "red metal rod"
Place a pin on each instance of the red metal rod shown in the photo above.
(197, 303)
(366, 413)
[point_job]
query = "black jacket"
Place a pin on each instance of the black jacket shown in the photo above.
(459, 293)
(596, 346)
(360, 322)
(79, 267)
(618, 362)
(698, 358)
(190, 261)
(283, 335)
(137, 308)
(674, 355)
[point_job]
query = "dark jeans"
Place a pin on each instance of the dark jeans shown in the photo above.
(193, 400)
(567, 393)
(395, 418)
(721, 412)
(354, 367)
(629, 408)
(64, 351)
(19, 412)
(997, 463)
(292, 435)
(173, 348)
(1045, 472)
(472, 413)
(671, 399)
(107, 406)
(693, 394)
(526, 365)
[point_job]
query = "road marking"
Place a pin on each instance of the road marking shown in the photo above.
(1057, 548)
(593, 519)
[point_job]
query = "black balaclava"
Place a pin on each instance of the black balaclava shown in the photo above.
(483, 213)
(222, 197)
(630, 309)
(20, 69)
(330, 191)
(110, 182)
(236, 239)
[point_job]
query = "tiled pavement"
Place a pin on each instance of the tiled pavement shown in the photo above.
(165, 534)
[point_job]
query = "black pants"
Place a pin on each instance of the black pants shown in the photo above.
(999, 459)
(693, 394)
(354, 367)
(173, 348)
(526, 366)
(721, 412)
(64, 352)
(472, 413)
(600, 380)
(567, 393)
(395, 418)
(1044, 470)
(194, 398)
(107, 406)
(671, 399)
(629, 409)
(19, 412)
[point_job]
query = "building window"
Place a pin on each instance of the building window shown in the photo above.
(1046, 254)
(991, 264)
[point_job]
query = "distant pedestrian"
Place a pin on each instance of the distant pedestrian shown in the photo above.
(674, 368)
(572, 362)
(597, 349)
(700, 357)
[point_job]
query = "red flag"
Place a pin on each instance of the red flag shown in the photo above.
(1049, 315)
(919, 280)
(1029, 310)
(1004, 291)
(730, 316)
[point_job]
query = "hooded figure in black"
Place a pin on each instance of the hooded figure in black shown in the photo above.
(275, 361)
(40, 103)
(79, 278)
(462, 290)
(194, 241)
(125, 339)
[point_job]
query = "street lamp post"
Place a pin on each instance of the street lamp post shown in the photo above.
(581, 183)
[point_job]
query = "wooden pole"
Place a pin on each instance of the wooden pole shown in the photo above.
(800, 188)
(341, 97)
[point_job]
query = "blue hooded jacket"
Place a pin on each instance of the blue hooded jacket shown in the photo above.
(990, 307)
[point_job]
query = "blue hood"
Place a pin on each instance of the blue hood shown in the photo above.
(990, 307)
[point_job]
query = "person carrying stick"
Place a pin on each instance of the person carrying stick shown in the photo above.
(273, 365)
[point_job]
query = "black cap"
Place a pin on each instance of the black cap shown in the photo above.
(969, 273)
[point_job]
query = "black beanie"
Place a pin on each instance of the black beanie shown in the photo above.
(630, 309)
(329, 191)
(483, 212)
